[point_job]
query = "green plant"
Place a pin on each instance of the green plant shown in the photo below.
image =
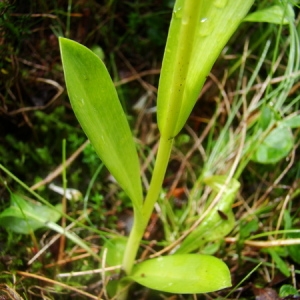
(197, 34)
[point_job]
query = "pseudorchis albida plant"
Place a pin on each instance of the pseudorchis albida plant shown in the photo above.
(198, 32)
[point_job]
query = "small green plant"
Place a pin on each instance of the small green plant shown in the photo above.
(198, 32)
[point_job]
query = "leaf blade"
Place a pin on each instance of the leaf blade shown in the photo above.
(216, 23)
(184, 274)
(24, 217)
(277, 145)
(275, 14)
(96, 105)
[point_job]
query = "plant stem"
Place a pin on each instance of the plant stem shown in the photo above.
(161, 163)
(132, 246)
(136, 234)
(141, 220)
(181, 44)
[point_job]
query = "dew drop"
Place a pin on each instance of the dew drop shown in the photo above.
(205, 28)
(220, 3)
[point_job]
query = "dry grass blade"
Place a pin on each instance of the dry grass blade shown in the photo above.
(54, 282)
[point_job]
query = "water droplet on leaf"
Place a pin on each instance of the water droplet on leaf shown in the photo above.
(205, 27)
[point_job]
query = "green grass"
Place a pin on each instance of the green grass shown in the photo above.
(253, 86)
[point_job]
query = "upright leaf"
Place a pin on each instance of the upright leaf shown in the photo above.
(96, 105)
(198, 32)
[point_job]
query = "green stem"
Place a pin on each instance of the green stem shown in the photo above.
(161, 163)
(132, 246)
(136, 234)
(141, 220)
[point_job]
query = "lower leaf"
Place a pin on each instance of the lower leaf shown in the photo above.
(183, 274)
(24, 217)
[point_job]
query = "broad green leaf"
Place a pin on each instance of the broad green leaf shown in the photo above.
(198, 32)
(274, 14)
(288, 290)
(219, 222)
(184, 274)
(24, 217)
(96, 105)
(277, 145)
(292, 122)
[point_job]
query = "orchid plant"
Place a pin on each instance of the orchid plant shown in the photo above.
(198, 32)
